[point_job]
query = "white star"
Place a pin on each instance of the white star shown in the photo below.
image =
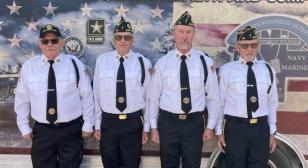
(15, 41)
(32, 25)
(157, 12)
(96, 27)
(32, 54)
(121, 11)
(86, 10)
(139, 27)
(14, 8)
(1, 22)
(50, 9)
(155, 44)
(67, 24)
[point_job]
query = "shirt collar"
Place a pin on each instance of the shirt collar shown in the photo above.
(243, 62)
(178, 54)
(118, 56)
(44, 60)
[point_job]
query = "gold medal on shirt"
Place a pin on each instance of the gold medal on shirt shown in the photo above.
(121, 100)
(51, 111)
(186, 100)
(253, 99)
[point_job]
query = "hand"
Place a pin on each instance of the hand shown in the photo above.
(28, 137)
(155, 136)
(208, 134)
(97, 134)
(272, 143)
(85, 134)
(145, 138)
(221, 143)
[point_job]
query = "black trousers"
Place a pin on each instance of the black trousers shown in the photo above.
(247, 144)
(121, 140)
(180, 139)
(57, 146)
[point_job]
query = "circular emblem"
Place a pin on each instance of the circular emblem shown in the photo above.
(121, 99)
(51, 111)
(49, 27)
(73, 46)
(253, 99)
(186, 100)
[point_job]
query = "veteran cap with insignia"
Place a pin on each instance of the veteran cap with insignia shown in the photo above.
(185, 19)
(248, 33)
(123, 26)
(49, 28)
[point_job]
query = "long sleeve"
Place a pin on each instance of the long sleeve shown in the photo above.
(273, 104)
(96, 90)
(87, 102)
(22, 105)
(222, 93)
(146, 85)
(154, 95)
(212, 98)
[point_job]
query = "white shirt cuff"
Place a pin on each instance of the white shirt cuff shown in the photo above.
(87, 127)
(146, 127)
(211, 124)
(153, 123)
(273, 128)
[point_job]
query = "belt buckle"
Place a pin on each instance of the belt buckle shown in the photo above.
(182, 116)
(122, 117)
(253, 121)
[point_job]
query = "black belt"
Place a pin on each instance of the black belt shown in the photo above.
(123, 116)
(181, 116)
(246, 120)
(62, 124)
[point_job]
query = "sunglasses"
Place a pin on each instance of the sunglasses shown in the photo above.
(245, 46)
(52, 41)
(120, 37)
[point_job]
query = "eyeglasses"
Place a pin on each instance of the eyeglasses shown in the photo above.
(52, 41)
(245, 46)
(120, 37)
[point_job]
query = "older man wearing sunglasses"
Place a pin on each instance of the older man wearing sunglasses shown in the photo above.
(55, 90)
(121, 80)
(249, 102)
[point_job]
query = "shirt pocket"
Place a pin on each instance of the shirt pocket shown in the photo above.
(132, 80)
(37, 84)
(195, 79)
(171, 81)
(66, 83)
(107, 80)
(237, 86)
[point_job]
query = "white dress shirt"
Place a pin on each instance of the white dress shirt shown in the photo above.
(105, 77)
(165, 92)
(233, 92)
(72, 102)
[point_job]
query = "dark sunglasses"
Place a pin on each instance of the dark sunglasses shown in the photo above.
(120, 37)
(52, 41)
(245, 46)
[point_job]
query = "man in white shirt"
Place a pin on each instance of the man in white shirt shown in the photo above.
(249, 102)
(183, 86)
(121, 80)
(55, 90)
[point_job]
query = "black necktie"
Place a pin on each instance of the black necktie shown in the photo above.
(51, 95)
(252, 92)
(185, 89)
(121, 89)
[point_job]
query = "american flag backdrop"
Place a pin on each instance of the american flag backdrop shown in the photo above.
(282, 28)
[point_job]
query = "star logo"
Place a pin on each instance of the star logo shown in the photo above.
(15, 41)
(96, 27)
(14, 8)
(68, 25)
(32, 25)
(155, 44)
(86, 10)
(157, 12)
(121, 11)
(50, 9)
(139, 27)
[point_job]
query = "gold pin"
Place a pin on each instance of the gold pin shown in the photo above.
(51, 111)
(121, 99)
(253, 99)
(186, 100)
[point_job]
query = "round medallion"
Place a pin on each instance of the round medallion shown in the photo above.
(51, 111)
(253, 99)
(121, 99)
(186, 100)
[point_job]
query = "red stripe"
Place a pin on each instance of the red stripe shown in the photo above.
(212, 35)
(292, 123)
(298, 85)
